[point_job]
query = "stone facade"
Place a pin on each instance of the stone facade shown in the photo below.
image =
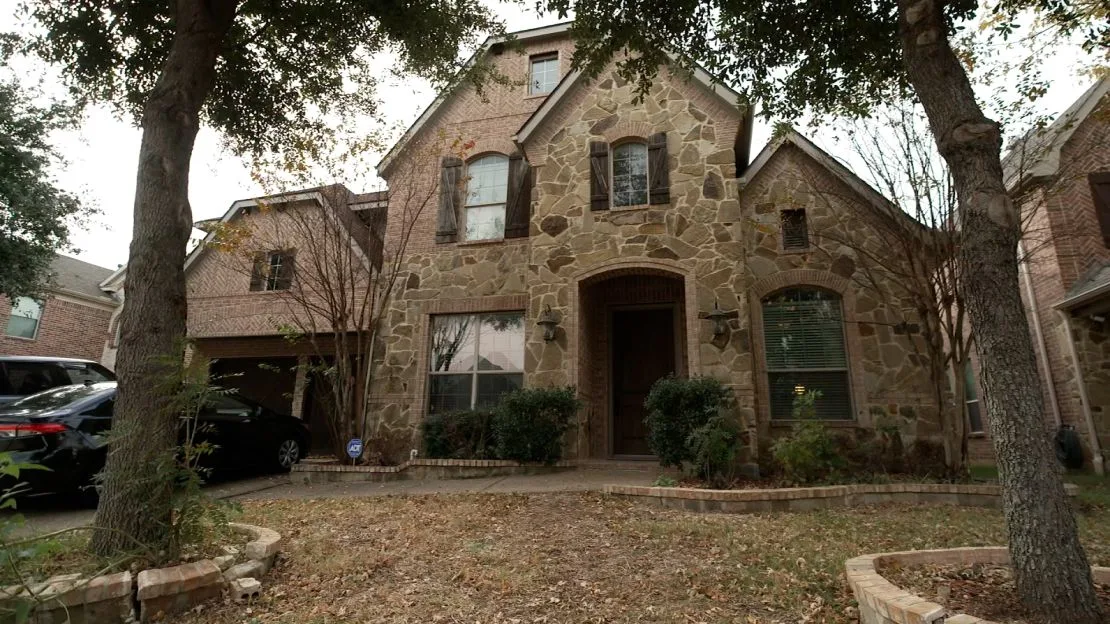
(715, 242)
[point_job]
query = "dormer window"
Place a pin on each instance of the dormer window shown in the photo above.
(486, 192)
(630, 174)
(544, 74)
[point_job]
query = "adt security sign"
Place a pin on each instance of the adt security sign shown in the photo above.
(354, 448)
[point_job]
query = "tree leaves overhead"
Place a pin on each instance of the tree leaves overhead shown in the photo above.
(289, 68)
(823, 57)
(35, 215)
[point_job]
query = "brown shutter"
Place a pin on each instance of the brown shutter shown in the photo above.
(599, 175)
(658, 170)
(1100, 195)
(447, 225)
(518, 208)
(288, 270)
(258, 271)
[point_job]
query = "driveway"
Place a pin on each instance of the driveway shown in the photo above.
(48, 517)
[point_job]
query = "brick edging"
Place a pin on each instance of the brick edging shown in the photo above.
(111, 597)
(812, 498)
(438, 463)
(883, 602)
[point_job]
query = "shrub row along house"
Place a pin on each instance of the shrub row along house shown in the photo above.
(565, 232)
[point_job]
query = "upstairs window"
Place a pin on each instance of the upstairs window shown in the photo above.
(803, 332)
(1100, 196)
(486, 191)
(24, 320)
(630, 174)
(272, 270)
(544, 74)
(795, 230)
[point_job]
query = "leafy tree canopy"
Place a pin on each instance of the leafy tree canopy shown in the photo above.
(837, 58)
(288, 69)
(35, 215)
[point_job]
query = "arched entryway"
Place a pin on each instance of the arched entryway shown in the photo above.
(632, 331)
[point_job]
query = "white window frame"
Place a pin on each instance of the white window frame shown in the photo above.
(466, 198)
(477, 317)
(38, 320)
(544, 58)
(613, 178)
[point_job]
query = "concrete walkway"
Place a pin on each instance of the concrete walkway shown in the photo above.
(56, 516)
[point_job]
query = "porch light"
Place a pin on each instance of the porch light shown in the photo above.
(719, 318)
(548, 322)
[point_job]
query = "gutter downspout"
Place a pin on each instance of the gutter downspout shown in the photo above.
(1039, 335)
(1084, 404)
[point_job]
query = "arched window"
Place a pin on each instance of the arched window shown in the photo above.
(803, 334)
(486, 191)
(630, 174)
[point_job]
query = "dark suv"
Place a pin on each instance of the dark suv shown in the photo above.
(23, 376)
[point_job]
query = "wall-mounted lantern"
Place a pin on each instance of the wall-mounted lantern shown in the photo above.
(719, 318)
(548, 322)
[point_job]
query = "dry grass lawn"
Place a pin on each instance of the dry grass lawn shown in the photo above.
(582, 557)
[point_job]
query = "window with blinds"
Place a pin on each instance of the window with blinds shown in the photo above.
(803, 332)
(971, 400)
(795, 230)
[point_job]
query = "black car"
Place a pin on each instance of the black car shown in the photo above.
(65, 429)
(22, 376)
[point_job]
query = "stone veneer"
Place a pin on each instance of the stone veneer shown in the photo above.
(717, 241)
(882, 602)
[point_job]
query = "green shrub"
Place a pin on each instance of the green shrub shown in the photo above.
(809, 454)
(714, 446)
(664, 481)
(529, 424)
(676, 407)
(459, 435)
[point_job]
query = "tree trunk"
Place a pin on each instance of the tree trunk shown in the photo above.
(137, 485)
(1051, 570)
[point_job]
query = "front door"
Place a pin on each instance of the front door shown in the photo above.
(643, 352)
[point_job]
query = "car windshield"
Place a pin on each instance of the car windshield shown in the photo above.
(56, 398)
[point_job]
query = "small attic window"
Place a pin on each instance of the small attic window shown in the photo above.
(795, 230)
(543, 73)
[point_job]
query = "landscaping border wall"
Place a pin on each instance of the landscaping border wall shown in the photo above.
(431, 469)
(882, 602)
(156, 592)
(813, 498)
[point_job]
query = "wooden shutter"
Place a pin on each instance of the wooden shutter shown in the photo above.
(259, 270)
(795, 230)
(659, 177)
(447, 223)
(518, 205)
(1100, 195)
(288, 269)
(599, 175)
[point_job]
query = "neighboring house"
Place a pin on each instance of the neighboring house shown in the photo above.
(71, 319)
(1061, 177)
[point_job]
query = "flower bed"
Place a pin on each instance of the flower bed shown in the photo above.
(882, 602)
(155, 592)
(309, 472)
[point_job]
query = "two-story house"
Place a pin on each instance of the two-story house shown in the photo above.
(1061, 176)
(592, 238)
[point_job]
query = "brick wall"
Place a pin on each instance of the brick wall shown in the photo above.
(67, 328)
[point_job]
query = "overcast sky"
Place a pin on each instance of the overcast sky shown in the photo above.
(103, 153)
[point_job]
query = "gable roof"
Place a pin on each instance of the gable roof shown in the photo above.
(728, 96)
(1037, 155)
(78, 277)
(833, 165)
(444, 95)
